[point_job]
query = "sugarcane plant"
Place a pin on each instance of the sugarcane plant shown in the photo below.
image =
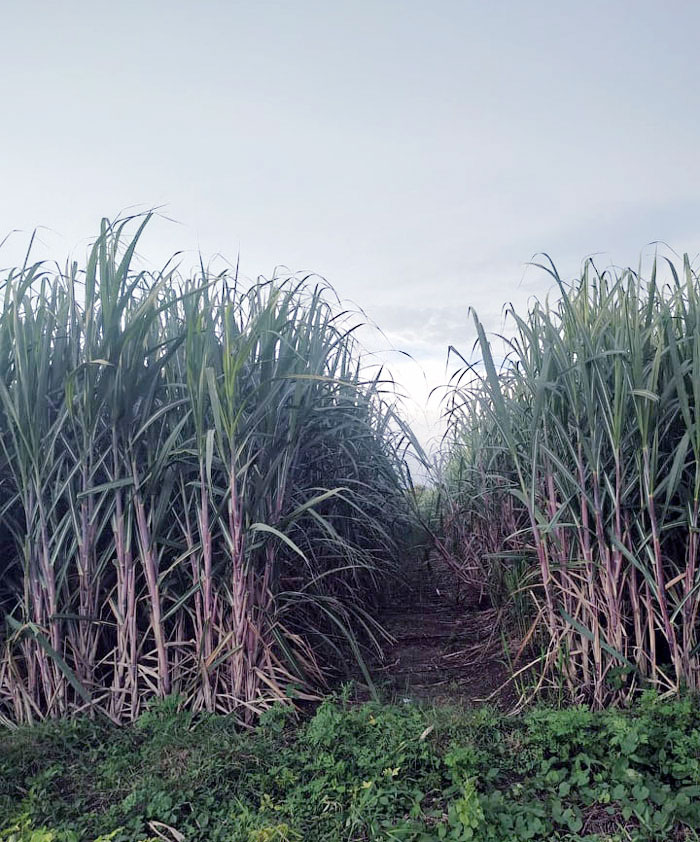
(575, 465)
(202, 486)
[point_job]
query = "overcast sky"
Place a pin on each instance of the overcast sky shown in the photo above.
(416, 154)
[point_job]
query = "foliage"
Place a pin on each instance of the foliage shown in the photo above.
(201, 487)
(371, 772)
(574, 482)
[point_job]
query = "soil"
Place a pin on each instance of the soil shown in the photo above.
(446, 645)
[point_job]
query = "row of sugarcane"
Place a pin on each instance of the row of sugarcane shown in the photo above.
(575, 475)
(201, 487)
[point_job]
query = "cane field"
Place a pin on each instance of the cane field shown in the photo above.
(231, 611)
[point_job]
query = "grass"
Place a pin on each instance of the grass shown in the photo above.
(574, 482)
(202, 493)
(202, 487)
(371, 772)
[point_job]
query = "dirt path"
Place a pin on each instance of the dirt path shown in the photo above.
(447, 645)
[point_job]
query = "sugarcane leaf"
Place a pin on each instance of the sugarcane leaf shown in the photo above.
(264, 527)
(587, 633)
(33, 631)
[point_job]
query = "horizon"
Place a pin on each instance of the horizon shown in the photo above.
(416, 158)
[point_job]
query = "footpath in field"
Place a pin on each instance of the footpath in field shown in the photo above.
(447, 644)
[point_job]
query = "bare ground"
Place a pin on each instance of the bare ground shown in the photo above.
(447, 642)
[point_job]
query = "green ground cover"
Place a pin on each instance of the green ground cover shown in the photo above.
(348, 772)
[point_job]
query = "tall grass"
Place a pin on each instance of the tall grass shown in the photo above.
(201, 487)
(575, 480)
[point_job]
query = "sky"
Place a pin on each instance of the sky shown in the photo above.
(417, 155)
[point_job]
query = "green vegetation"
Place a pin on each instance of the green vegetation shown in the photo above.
(379, 773)
(575, 483)
(203, 491)
(201, 488)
